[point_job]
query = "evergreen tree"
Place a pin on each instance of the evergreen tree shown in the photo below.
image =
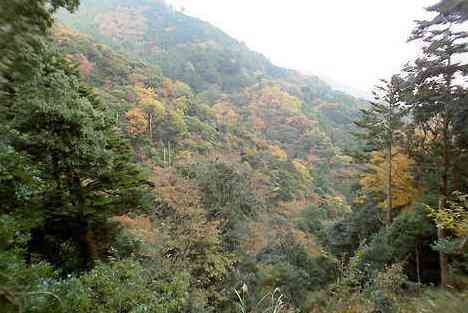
(438, 101)
(382, 122)
(65, 169)
(24, 25)
(456, 9)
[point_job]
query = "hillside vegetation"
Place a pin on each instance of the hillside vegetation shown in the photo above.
(151, 163)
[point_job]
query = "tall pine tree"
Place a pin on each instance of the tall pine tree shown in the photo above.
(438, 100)
(382, 122)
(65, 168)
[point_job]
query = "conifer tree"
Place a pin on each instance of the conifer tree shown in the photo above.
(64, 167)
(456, 9)
(24, 24)
(438, 101)
(382, 122)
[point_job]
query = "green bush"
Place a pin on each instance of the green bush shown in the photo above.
(291, 268)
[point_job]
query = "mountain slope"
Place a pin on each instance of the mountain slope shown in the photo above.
(256, 149)
(199, 54)
(186, 48)
(238, 103)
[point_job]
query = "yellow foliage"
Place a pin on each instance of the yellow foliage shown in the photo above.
(181, 89)
(225, 115)
(250, 152)
(337, 205)
(147, 99)
(454, 218)
(404, 189)
(278, 153)
(273, 95)
(168, 88)
(302, 169)
(137, 123)
(177, 120)
(181, 104)
(184, 155)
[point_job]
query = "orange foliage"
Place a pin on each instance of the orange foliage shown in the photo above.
(137, 123)
(179, 193)
(139, 226)
(225, 114)
(167, 88)
(147, 98)
(278, 153)
(307, 241)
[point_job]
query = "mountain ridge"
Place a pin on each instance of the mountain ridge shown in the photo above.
(235, 58)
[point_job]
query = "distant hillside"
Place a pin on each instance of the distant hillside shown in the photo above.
(186, 48)
(188, 96)
(204, 57)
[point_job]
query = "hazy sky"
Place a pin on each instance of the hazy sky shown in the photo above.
(354, 42)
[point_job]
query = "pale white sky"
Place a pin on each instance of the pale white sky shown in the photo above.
(353, 42)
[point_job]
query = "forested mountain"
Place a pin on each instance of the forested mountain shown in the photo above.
(151, 163)
(197, 53)
(186, 48)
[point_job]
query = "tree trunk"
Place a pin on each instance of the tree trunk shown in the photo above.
(443, 202)
(388, 208)
(150, 120)
(168, 154)
(443, 260)
(418, 266)
(389, 205)
(445, 190)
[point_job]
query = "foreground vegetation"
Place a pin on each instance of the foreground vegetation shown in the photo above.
(192, 175)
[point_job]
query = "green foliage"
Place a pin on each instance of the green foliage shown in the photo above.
(187, 49)
(382, 120)
(83, 166)
(65, 170)
(289, 267)
(433, 300)
(271, 302)
(123, 285)
(312, 220)
(239, 150)
(394, 243)
(346, 235)
(22, 37)
(227, 195)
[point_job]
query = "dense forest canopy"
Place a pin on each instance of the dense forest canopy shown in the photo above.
(151, 163)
